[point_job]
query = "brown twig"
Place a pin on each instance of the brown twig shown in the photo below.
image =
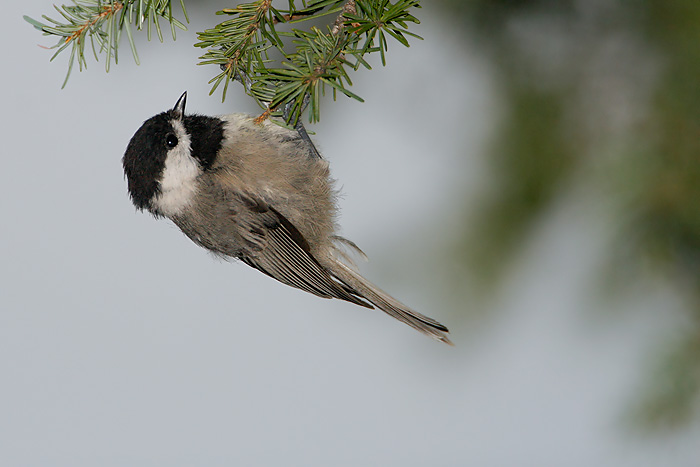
(106, 11)
(349, 7)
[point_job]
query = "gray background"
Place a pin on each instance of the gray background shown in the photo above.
(121, 343)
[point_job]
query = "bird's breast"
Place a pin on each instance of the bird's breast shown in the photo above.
(178, 184)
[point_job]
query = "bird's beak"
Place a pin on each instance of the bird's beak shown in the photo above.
(179, 108)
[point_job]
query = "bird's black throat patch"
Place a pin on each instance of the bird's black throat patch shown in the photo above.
(206, 137)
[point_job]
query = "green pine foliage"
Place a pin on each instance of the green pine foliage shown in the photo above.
(101, 23)
(283, 67)
(313, 59)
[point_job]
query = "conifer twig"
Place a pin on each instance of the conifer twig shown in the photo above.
(284, 68)
(102, 22)
(242, 46)
(348, 8)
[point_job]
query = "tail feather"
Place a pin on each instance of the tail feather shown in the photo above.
(389, 304)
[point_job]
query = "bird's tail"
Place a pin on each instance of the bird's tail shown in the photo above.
(389, 304)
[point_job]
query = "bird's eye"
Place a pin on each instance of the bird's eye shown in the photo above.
(170, 140)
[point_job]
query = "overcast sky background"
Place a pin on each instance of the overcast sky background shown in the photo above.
(122, 343)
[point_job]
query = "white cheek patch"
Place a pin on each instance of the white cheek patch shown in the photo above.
(178, 184)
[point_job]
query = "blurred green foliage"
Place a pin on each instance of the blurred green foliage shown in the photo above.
(534, 158)
(538, 148)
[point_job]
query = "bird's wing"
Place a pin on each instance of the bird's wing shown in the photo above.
(278, 249)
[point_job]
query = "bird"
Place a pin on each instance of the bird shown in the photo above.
(257, 192)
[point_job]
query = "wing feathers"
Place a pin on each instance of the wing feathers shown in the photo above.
(284, 256)
(282, 252)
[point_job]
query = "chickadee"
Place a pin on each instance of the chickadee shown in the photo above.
(256, 192)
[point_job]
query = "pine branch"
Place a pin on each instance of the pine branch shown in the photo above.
(102, 22)
(284, 68)
(243, 45)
